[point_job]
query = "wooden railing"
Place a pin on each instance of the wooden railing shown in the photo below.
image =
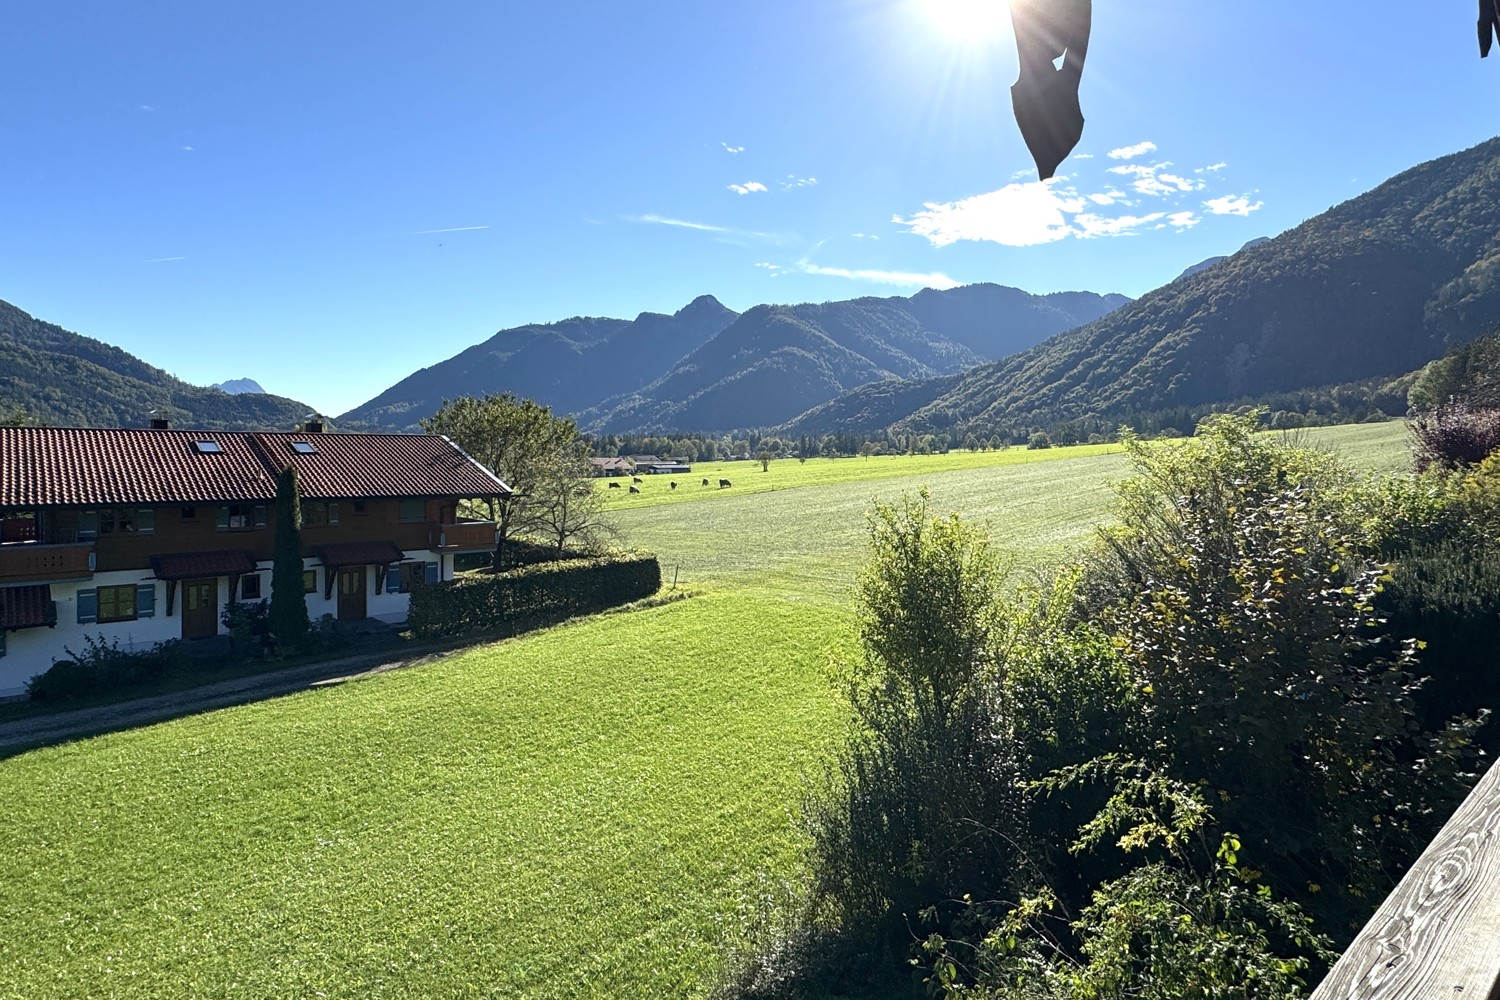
(470, 536)
(1438, 933)
(31, 563)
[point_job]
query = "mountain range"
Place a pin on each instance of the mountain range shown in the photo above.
(237, 386)
(708, 368)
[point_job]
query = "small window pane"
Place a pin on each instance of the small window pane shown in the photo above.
(117, 604)
(207, 447)
(250, 587)
(309, 581)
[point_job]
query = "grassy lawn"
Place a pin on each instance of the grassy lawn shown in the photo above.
(572, 813)
(569, 814)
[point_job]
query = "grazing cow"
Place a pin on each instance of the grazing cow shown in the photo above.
(635, 479)
(614, 486)
(705, 482)
(724, 482)
(635, 489)
(673, 484)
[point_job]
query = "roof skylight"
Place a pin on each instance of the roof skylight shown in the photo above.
(304, 448)
(207, 447)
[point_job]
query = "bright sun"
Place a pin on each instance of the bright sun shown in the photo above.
(966, 20)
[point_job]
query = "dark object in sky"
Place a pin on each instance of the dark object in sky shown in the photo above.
(1045, 96)
(1489, 25)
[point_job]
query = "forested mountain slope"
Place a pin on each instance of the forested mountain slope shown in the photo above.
(1373, 287)
(64, 378)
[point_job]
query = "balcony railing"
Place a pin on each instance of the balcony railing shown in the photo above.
(1438, 933)
(467, 536)
(29, 562)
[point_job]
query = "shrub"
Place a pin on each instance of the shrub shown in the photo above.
(544, 591)
(102, 666)
(1039, 440)
(1453, 436)
(249, 625)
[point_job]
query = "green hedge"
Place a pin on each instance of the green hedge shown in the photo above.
(547, 591)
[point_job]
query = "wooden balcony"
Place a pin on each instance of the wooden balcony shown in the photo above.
(1438, 933)
(467, 536)
(29, 562)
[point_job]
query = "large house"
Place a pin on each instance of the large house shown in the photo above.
(142, 535)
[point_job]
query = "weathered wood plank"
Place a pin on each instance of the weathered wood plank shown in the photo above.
(1438, 934)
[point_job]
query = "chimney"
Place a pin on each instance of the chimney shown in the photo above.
(160, 424)
(312, 423)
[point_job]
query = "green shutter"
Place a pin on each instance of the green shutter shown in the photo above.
(88, 525)
(432, 573)
(333, 513)
(145, 521)
(2, 642)
(145, 600)
(88, 606)
(393, 578)
(223, 523)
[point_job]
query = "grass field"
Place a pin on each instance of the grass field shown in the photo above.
(571, 813)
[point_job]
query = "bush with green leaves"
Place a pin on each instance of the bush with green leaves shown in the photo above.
(101, 667)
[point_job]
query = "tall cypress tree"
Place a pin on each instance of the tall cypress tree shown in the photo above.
(288, 618)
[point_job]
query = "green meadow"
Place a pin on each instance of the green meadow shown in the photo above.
(580, 812)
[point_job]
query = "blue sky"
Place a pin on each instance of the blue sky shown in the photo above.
(326, 197)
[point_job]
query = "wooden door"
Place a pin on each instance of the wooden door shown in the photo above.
(200, 609)
(352, 593)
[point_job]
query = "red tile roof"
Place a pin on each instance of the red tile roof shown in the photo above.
(79, 466)
(26, 607)
(191, 565)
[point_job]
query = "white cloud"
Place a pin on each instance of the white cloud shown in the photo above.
(747, 187)
(158, 260)
(145, 107)
(1017, 215)
(1083, 156)
(864, 236)
(1130, 152)
(1232, 205)
(1211, 168)
(732, 149)
(1090, 225)
(793, 181)
(1184, 220)
(1153, 180)
(186, 149)
(903, 279)
(455, 229)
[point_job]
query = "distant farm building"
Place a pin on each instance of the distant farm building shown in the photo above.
(611, 466)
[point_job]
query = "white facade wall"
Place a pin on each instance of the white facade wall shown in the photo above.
(31, 651)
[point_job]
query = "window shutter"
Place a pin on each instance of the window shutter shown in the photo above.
(145, 521)
(260, 517)
(88, 525)
(145, 600)
(88, 606)
(223, 523)
(432, 573)
(333, 513)
(393, 578)
(2, 642)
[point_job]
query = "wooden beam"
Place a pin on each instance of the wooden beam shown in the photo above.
(1438, 933)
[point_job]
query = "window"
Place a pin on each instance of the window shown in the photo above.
(241, 517)
(116, 521)
(117, 604)
(189, 514)
(413, 510)
(304, 448)
(309, 581)
(207, 447)
(250, 587)
(316, 514)
(359, 506)
(402, 578)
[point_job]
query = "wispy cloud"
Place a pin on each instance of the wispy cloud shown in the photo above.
(1131, 152)
(793, 181)
(1083, 156)
(186, 149)
(732, 149)
(749, 187)
(900, 279)
(159, 260)
(864, 236)
(1211, 168)
(453, 229)
(1184, 220)
(1232, 205)
(145, 107)
(704, 227)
